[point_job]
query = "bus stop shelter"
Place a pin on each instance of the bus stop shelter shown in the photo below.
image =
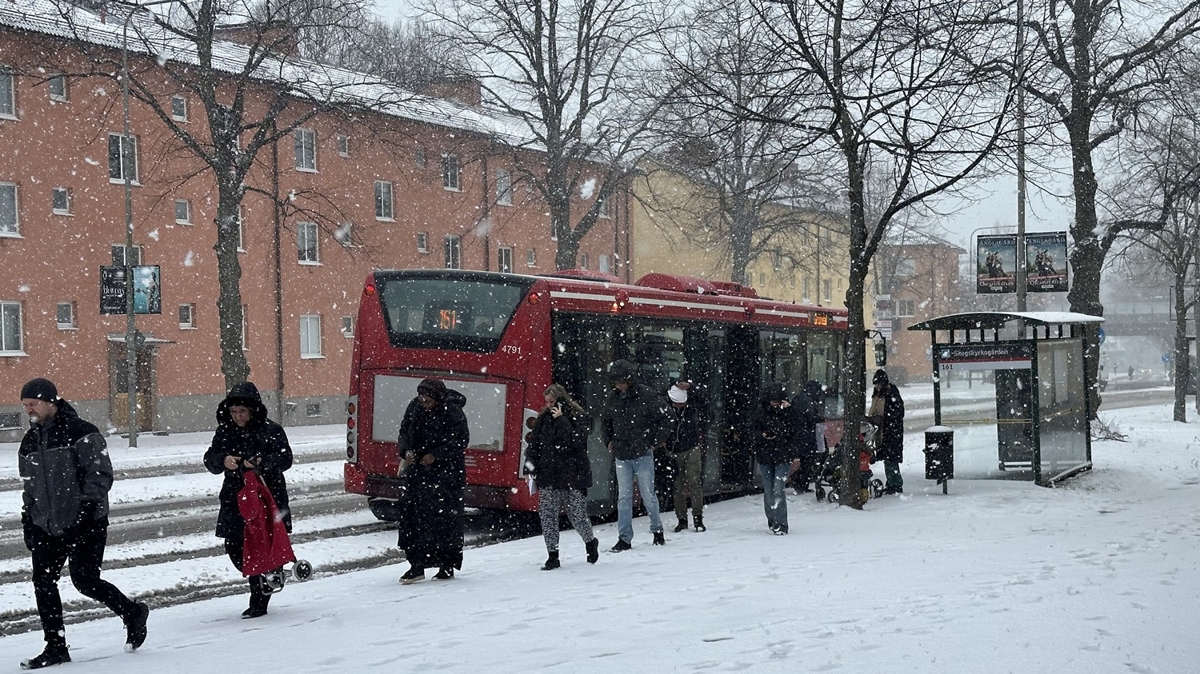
(1041, 396)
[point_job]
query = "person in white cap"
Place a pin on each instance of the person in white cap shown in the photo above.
(686, 444)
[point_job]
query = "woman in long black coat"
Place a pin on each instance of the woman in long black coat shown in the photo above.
(433, 442)
(558, 461)
(246, 439)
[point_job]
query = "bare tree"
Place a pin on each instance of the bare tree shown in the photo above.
(1094, 65)
(238, 60)
(721, 125)
(569, 71)
(886, 88)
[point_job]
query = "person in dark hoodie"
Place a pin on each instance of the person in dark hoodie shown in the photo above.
(773, 432)
(633, 425)
(685, 442)
(64, 466)
(432, 443)
(809, 408)
(246, 439)
(557, 460)
(887, 413)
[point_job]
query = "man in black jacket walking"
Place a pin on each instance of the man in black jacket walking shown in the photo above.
(633, 426)
(66, 471)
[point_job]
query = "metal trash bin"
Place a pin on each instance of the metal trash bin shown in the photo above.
(939, 454)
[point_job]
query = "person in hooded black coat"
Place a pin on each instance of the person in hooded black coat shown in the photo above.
(887, 413)
(773, 432)
(433, 442)
(558, 461)
(809, 407)
(246, 439)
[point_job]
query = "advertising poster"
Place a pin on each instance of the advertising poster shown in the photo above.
(147, 290)
(995, 264)
(1046, 262)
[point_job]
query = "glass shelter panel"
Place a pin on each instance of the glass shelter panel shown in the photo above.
(1062, 408)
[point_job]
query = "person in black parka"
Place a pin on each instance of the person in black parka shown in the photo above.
(809, 407)
(887, 413)
(432, 444)
(246, 439)
(773, 432)
(558, 461)
(66, 474)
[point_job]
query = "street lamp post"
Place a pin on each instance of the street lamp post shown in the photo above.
(130, 322)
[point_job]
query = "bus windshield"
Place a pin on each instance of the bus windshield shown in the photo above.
(433, 310)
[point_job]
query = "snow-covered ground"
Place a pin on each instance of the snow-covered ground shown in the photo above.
(999, 576)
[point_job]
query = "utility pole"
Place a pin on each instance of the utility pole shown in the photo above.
(131, 333)
(1021, 255)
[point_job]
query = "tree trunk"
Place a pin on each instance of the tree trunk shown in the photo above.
(1181, 348)
(855, 365)
(1087, 257)
(229, 274)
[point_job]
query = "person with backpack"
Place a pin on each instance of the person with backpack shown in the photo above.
(685, 443)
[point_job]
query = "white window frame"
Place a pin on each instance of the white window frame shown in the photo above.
(385, 207)
(183, 102)
(422, 242)
(604, 264)
(306, 232)
(241, 223)
(119, 251)
(124, 142)
(65, 94)
(7, 310)
(451, 173)
(348, 327)
(504, 263)
(54, 194)
(68, 324)
(8, 93)
(343, 145)
(190, 323)
(905, 308)
(187, 211)
(305, 146)
(310, 336)
(602, 207)
(531, 257)
(827, 290)
(452, 250)
(504, 191)
(245, 327)
(11, 228)
(583, 260)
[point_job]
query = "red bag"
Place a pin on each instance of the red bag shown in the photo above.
(267, 546)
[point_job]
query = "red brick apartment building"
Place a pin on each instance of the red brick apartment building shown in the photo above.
(422, 186)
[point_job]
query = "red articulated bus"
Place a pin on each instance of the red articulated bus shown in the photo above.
(501, 339)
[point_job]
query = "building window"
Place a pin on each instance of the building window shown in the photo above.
(179, 108)
(383, 200)
(450, 172)
(804, 292)
(906, 308)
(10, 328)
(906, 268)
(312, 409)
(347, 326)
(602, 206)
(119, 257)
(583, 261)
(503, 187)
(183, 212)
(187, 316)
(605, 264)
(422, 242)
(10, 421)
(420, 158)
(310, 336)
(245, 327)
(8, 210)
(122, 158)
(306, 149)
(453, 250)
(531, 258)
(343, 145)
(58, 87)
(8, 103)
(504, 260)
(64, 316)
(827, 287)
(241, 232)
(60, 201)
(306, 242)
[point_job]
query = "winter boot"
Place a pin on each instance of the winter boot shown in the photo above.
(413, 575)
(258, 599)
(659, 539)
(622, 545)
(135, 627)
(682, 526)
(700, 523)
(56, 653)
(593, 550)
(444, 573)
(552, 562)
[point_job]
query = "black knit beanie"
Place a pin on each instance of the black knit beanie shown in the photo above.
(41, 389)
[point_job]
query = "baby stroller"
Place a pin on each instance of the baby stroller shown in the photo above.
(829, 470)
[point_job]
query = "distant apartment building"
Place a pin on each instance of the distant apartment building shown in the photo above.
(425, 183)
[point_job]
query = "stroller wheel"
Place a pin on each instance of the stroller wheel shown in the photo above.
(876, 488)
(820, 493)
(833, 496)
(302, 570)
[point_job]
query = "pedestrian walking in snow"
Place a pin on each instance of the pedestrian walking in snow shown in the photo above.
(685, 442)
(633, 426)
(887, 413)
(64, 466)
(809, 408)
(246, 440)
(557, 460)
(773, 432)
(432, 444)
